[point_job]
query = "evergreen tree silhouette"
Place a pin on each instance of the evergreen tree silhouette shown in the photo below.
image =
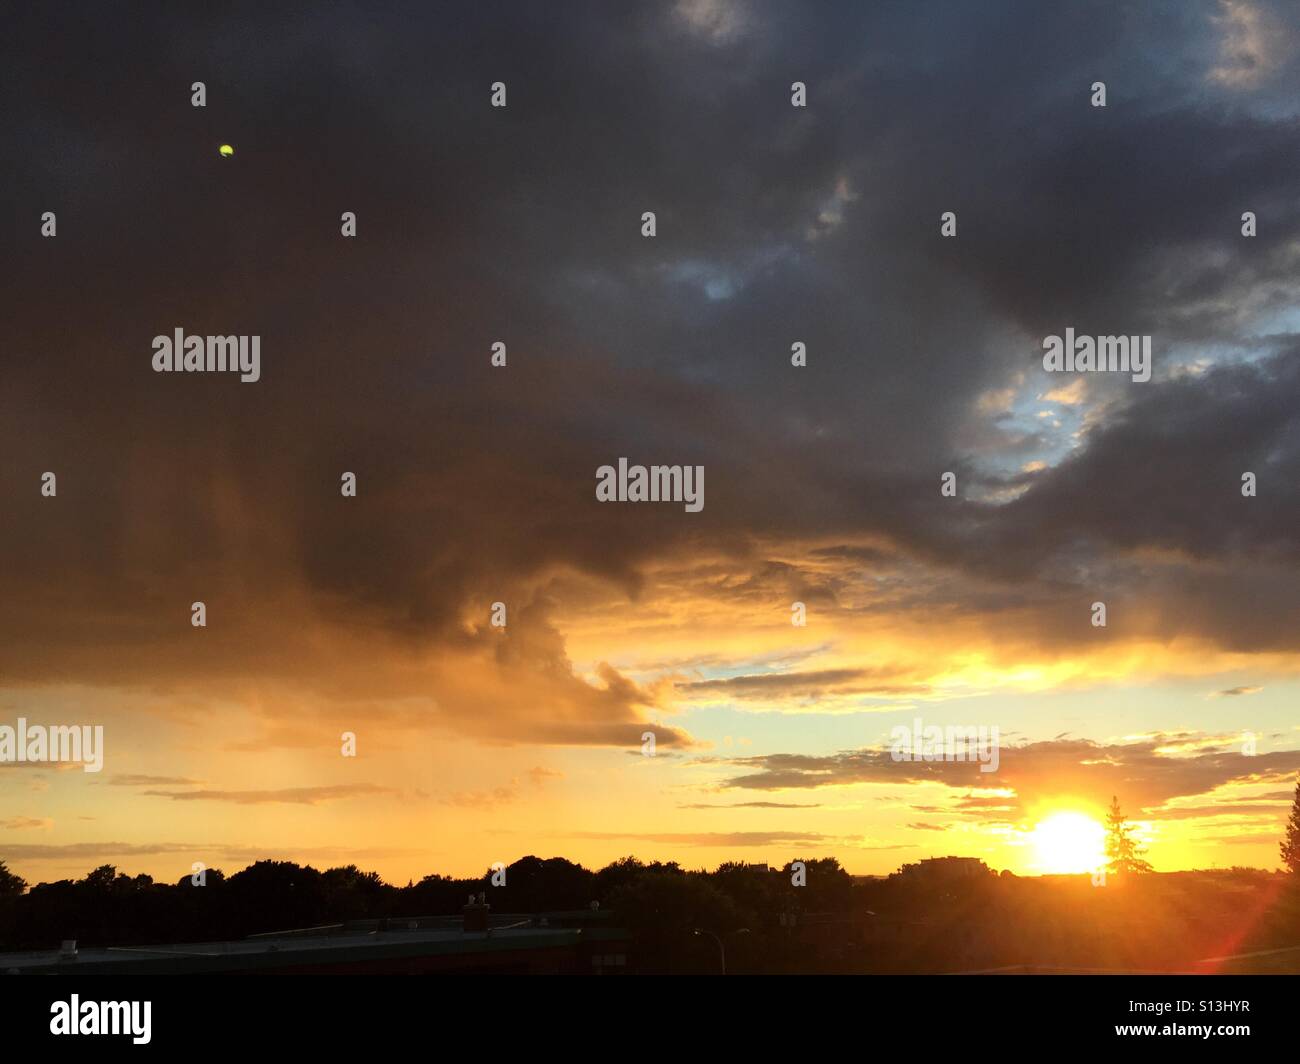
(1291, 844)
(1123, 850)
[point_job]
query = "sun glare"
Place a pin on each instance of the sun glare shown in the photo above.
(1069, 842)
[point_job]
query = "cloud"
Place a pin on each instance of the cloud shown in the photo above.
(808, 685)
(388, 594)
(1257, 810)
(540, 775)
(476, 485)
(714, 838)
(481, 799)
(1253, 44)
(290, 795)
(718, 21)
(240, 852)
(753, 805)
(1146, 774)
(137, 780)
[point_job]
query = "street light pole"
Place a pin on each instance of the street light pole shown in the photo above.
(722, 953)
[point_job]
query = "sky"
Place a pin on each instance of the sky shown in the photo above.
(476, 484)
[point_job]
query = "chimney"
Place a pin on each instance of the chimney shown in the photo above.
(68, 950)
(476, 914)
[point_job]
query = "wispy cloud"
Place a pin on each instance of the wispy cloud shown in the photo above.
(288, 795)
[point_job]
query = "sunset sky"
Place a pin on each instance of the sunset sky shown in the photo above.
(476, 484)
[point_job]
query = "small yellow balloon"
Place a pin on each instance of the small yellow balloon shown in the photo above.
(226, 150)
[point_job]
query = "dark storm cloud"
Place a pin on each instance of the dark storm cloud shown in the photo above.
(1165, 475)
(476, 485)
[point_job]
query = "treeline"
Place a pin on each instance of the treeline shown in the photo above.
(661, 903)
(947, 914)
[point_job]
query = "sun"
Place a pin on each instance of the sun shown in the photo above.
(1069, 843)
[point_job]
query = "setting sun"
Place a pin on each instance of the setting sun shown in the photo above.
(1069, 842)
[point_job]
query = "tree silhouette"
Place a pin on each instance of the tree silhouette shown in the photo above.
(101, 878)
(663, 909)
(10, 883)
(533, 884)
(1123, 850)
(277, 895)
(1291, 844)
